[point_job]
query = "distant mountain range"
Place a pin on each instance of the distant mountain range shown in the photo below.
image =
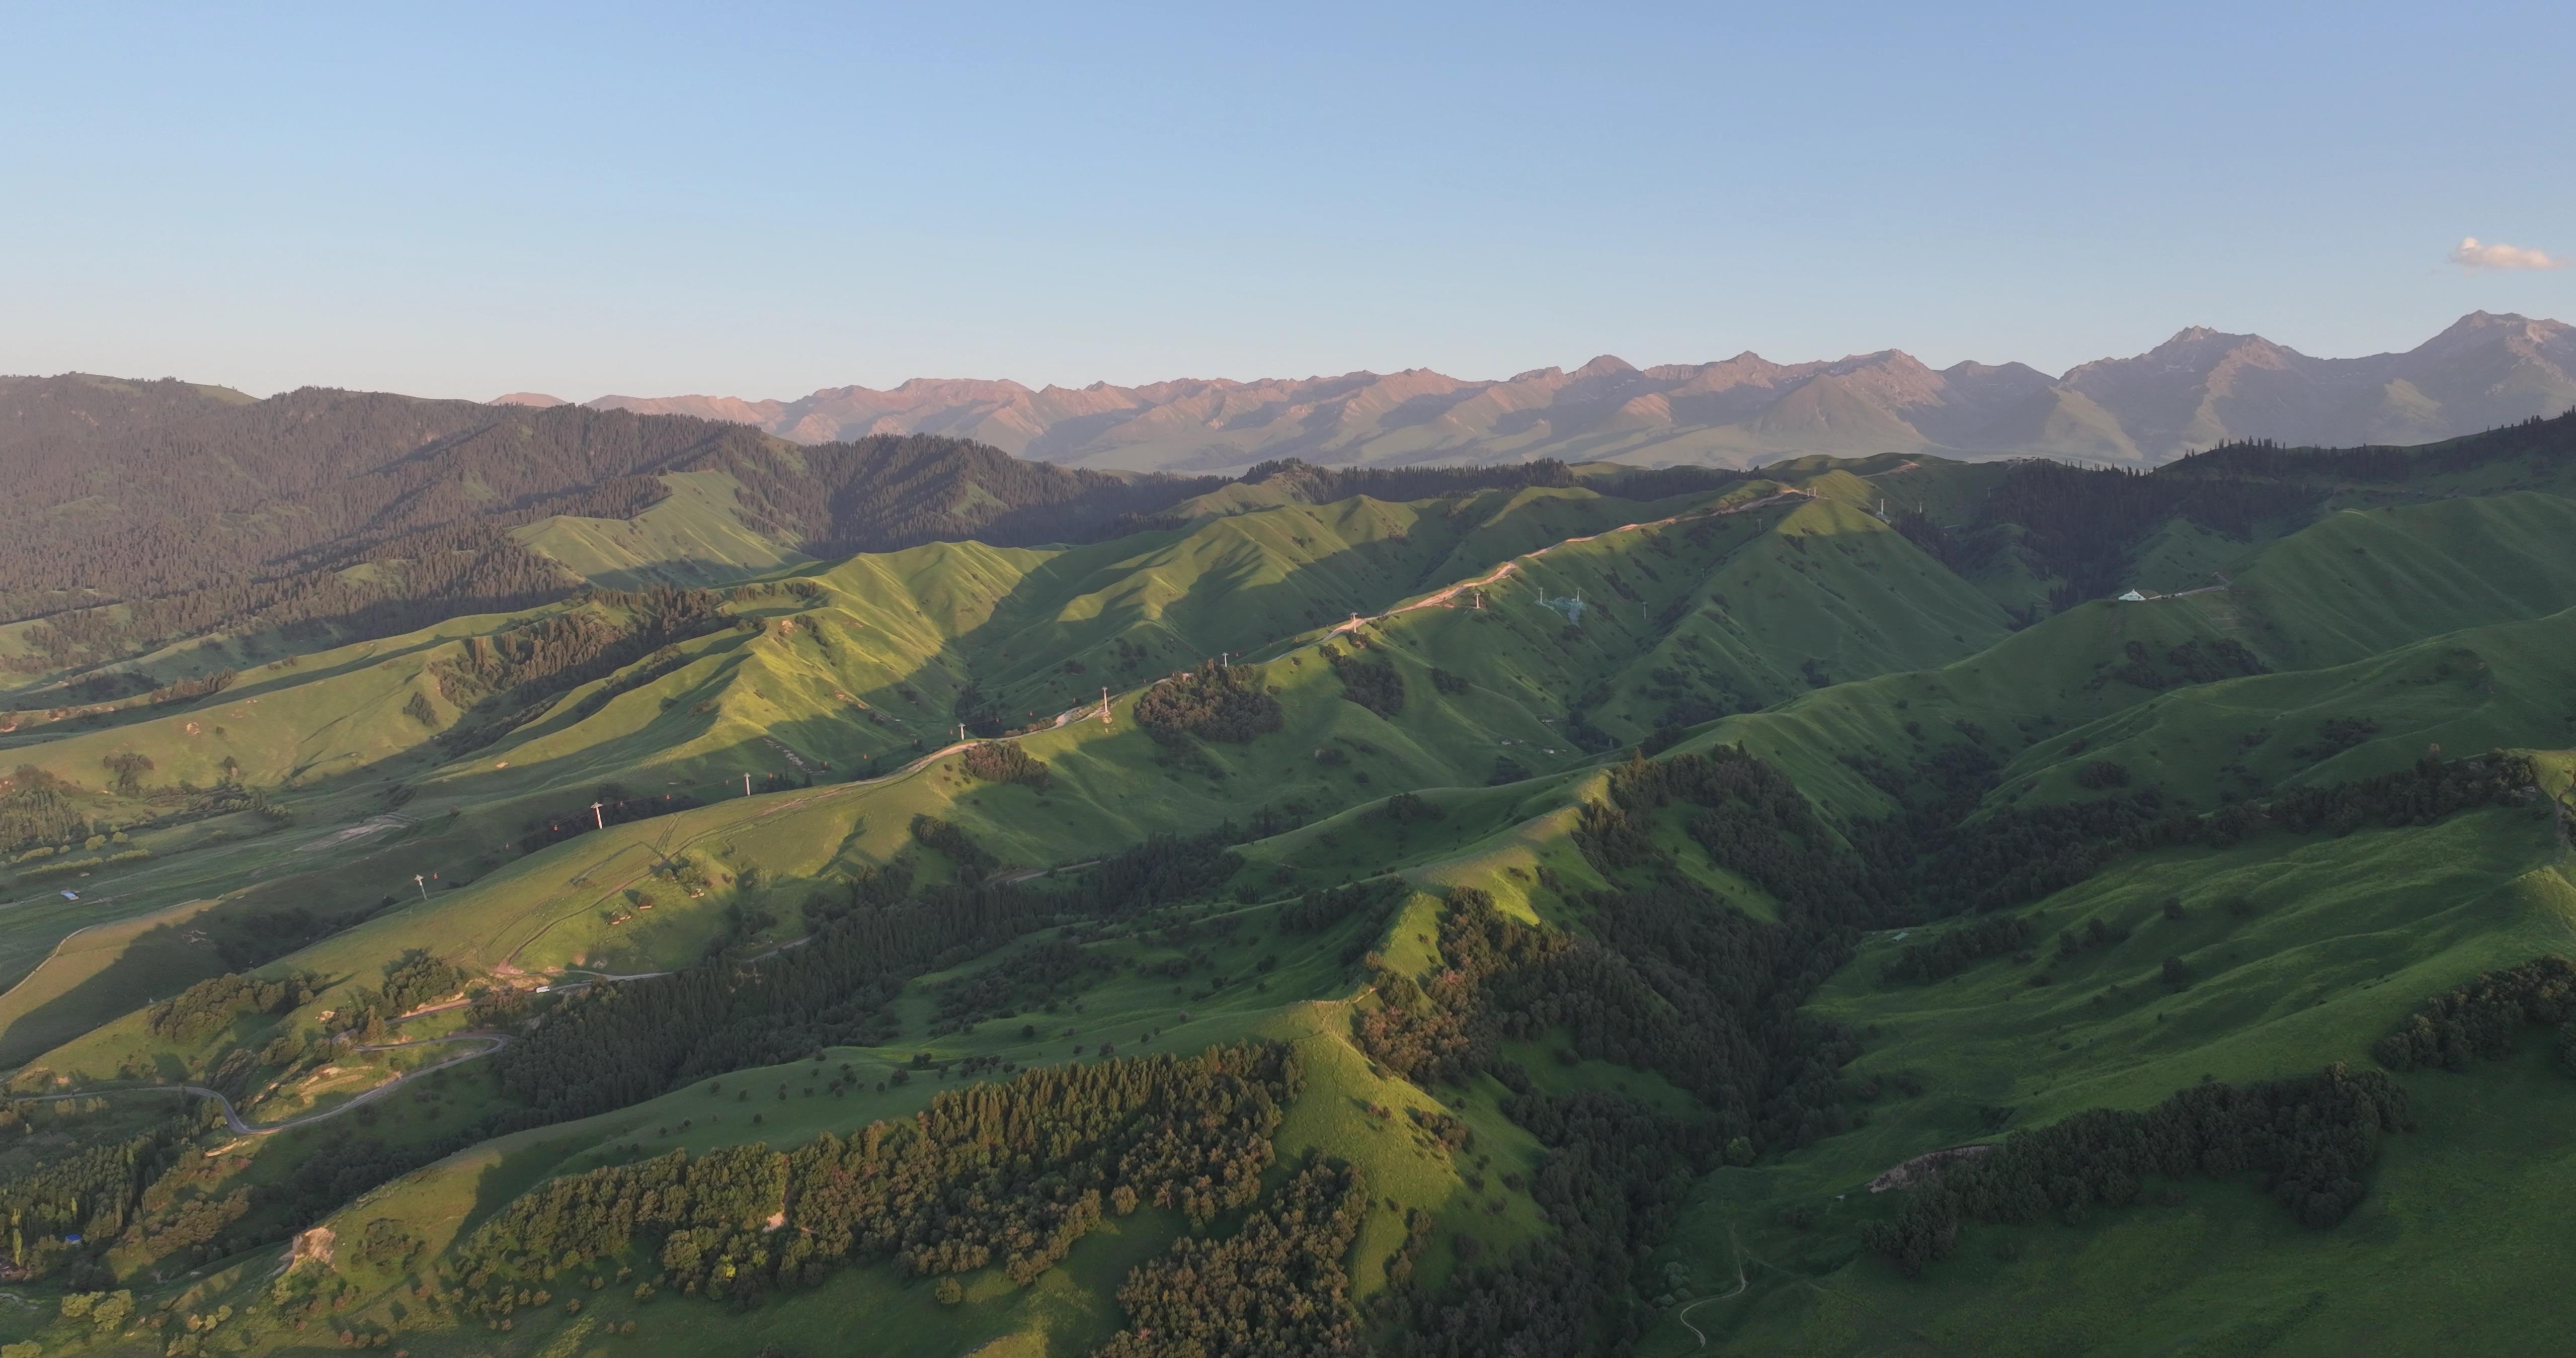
(2199, 388)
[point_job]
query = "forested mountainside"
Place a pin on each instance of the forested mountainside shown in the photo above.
(148, 513)
(2200, 388)
(1543, 911)
(191, 509)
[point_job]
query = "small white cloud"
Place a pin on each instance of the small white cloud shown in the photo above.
(2477, 254)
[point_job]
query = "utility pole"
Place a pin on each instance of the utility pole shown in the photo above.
(961, 733)
(422, 882)
(596, 817)
(746, 784)
(1104, 707)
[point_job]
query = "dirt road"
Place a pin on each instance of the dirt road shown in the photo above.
(233, 1117)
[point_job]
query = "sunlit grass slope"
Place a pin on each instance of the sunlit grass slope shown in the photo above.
(2301, 952)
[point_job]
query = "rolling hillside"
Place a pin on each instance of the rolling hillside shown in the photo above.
(1552, 915)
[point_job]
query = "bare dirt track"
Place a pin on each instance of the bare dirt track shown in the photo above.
(233, 1118)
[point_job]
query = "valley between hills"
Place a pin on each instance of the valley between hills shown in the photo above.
(555, 881)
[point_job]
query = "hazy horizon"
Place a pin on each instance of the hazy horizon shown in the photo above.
(764, 202)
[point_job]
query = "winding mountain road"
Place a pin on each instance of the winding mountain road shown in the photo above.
(233, 1117)
(1440, 598)
(1683, 1315)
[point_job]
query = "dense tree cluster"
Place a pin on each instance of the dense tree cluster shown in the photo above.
(511, 677)
(2013, 854)
(417, 978)
(36, 808)
(95, 1192)
(1010, 1173)
(1274, 1286)
(125, 770)
(999, 761)
(2198, 661)
(178, 1219)
(1615, 1176)
(188, 690)
(1304, 482)
(971, 861)
(2094, 936)
(2079, 525)
(1040, 975)
(1954, 950)
(888, 491)
(1672, 979)
(212, 1004)
(1163, 870)
(1656, 483)
(2101, 775)
(1752, 820)
(1323, 485)
(1962, 551)
(1667, 978)
(1373, 684)
(2267, 459)
(2418, 794)
(2336, 735)
(1325, 907)
(869, 887)
(1446, 1025)
(1213, 702)
(2485, 1016)
(613, 1045)
(2310, 1140)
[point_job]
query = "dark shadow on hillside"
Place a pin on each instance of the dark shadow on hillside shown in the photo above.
(157, 964)
(698, 573)
(514, 1173)
(1225, 611)
(258, 683)
(1229, 606)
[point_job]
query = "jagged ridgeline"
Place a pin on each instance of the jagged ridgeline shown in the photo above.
(887, 891)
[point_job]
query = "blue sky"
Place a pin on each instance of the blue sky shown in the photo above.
(763, 199)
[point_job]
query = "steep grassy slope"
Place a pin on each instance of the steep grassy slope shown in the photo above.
(696, 536)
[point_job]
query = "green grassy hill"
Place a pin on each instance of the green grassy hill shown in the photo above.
(1633, 880)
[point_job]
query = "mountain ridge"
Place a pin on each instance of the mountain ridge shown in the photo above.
(2201, 387)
